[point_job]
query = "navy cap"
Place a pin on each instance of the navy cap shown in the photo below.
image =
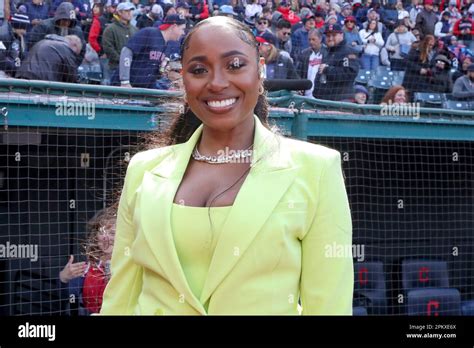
(267, 37)
(333, 28)
(172, 19)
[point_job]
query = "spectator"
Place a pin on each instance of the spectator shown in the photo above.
(443, 27)
(64, 23)
(464, 28)
(373, 43)
(227, 10)
(414, 10)
(345, 12)
(171, 78)
(253, 9)
(79, 9)
(262, 25)
(283, 34)
(361, 95)
(37, 11)
(299, 39)
(319, 20)
(339, 68)
(144, 54)
(351, 35)
(52, 59)
(401, 12)
(310, 59)
(99, 23)
(198, 10)
(439, 79)
(398, 45)
(372, 15)
(14, 41)
(116, 36)
(278, 65)
(426, 19)
(462, 68)
(395, 95)
(417, 76)
(389, 15)
(464, 85)
(149, 19)
(87, 281)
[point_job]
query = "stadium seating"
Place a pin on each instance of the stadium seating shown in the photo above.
(428, 100)
(418, 274)
(370, 285)
(434, 302)
(359, 311)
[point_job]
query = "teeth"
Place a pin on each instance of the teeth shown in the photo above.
(221, 103)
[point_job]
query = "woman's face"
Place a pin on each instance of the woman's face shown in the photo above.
(106, 237)
(372, 25)
(221, 80)
(400, 97)
(360, 98)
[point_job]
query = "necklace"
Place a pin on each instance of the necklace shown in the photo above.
(228, 156)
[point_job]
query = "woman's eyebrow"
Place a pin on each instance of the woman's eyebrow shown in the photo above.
(224, 55)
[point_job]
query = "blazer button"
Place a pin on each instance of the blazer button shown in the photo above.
(159, 312)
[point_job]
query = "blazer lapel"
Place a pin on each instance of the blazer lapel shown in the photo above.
(269, 178)
(159, 188)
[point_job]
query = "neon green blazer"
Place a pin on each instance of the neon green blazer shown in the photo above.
(277, 245)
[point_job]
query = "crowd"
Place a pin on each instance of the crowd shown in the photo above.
(137, 44)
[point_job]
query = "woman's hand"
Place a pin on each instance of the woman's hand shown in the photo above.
(72, 270)
(423, 71)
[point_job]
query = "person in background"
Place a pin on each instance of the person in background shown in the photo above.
(64, 23)
(299, 39)
(199, 10)
(13, 39)
(116, 35)
(439, 78)
(99, 22)
(465, 61)
(373, 43)
(426, 19)
(398, 46)
(319, 20)
(418, 65)
(278, 65)
(308, 62)
(52, 59)
(262, 25)
(37, 11)
(464, 85)
(346, 12)
(253, 9)
(395, 95)
(143, 57)
(339, 68)
(87, 281)
(149, 19)
(464, 28)
(283, 34)
(443, 26)
(351, 35)
(361, 95)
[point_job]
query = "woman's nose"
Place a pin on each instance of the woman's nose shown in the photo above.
(218, 81)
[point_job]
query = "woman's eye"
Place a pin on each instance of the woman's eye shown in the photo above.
(198, 70)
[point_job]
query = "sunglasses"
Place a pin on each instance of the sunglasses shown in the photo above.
(262, 22)
(286, 34)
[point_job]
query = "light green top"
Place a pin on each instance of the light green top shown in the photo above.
(195, 240)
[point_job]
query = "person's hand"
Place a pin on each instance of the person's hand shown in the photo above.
(197, 16)
(423, 71)
(35, 21)
(126, 85)
(354, 43)
(72, 270)
(322, 67)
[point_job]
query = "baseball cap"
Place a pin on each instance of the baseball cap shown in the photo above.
(183, 5)
(350, 19)
(267, 37)
(172, 19)
(428, 2)
(227, 10)
(333, 28)
(125, 6)
(308, 17)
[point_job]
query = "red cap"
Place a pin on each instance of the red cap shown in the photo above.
(428, 2)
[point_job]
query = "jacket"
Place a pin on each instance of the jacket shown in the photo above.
(463, 88)
(426, 21)
(272, 249)
(50, 59)
(284, 68)
(341, 72)
(114, 38)
(50, 26)
(303, 61)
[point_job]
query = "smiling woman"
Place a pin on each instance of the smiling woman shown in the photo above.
(201, 231)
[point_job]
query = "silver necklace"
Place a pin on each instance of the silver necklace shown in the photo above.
(236, 156)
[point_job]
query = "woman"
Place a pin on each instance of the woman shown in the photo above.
(373, 43)
(97, 28)
(395, 95)
(282, 202)
(87, 281)
(398, 45)
(418, 64)
(351, 35)
(277, 64)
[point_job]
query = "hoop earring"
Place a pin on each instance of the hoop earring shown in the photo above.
(261, 90)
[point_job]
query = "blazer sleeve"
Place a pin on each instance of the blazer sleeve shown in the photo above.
(125, 284)
(327, 278)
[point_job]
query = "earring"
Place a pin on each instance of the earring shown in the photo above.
(261, 90)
